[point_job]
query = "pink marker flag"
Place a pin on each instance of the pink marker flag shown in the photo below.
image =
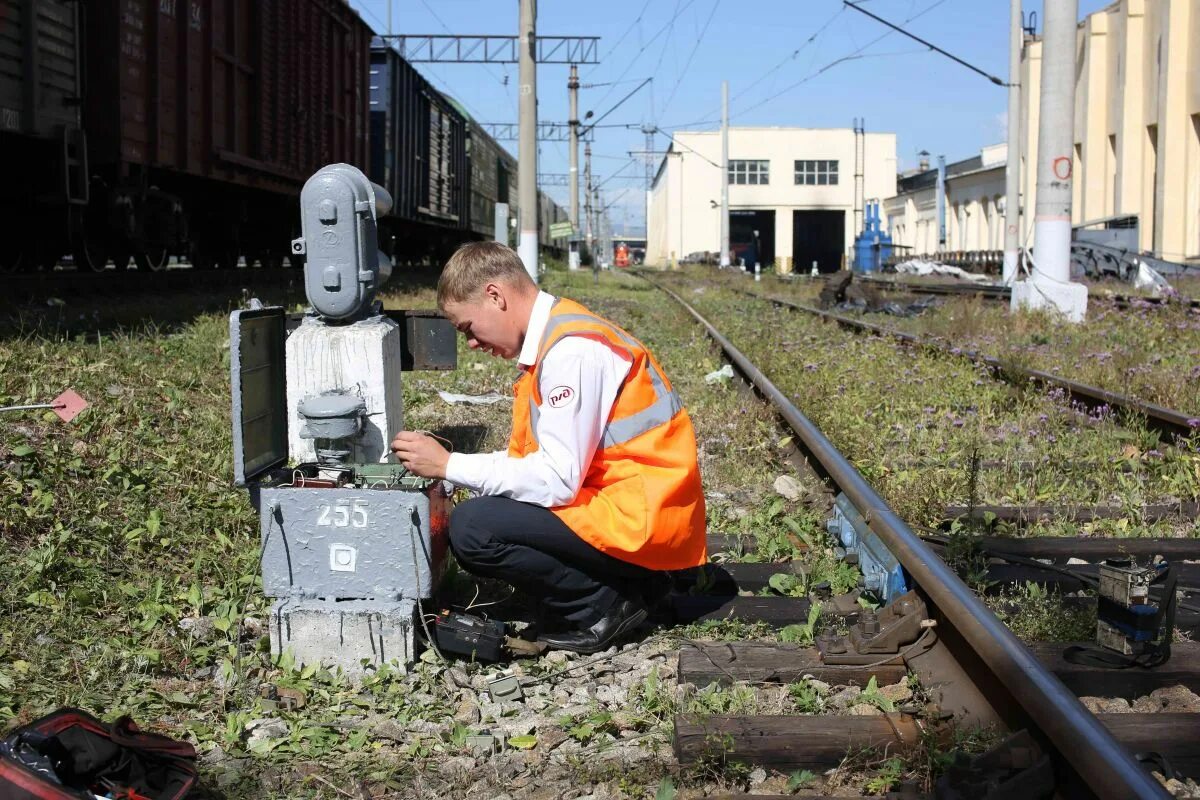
(68, 405)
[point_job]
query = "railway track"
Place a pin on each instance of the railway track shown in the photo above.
(935, 627)
(1167, 422)
(1003, 293)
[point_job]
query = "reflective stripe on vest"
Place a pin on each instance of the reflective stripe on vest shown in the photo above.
(619, 431)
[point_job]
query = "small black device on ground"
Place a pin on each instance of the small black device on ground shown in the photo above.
(468, 635)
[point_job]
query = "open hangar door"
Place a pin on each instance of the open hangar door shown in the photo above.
(752, 237)
(818, 236)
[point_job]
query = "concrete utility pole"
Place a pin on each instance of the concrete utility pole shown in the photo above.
(724, 174)
(1050, 285)
(573, 92)
(527, 245)
(587, 199)
(1012, 167)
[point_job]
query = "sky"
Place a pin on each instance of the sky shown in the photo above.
(802, 63)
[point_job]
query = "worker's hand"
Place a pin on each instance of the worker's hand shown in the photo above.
(420, 454)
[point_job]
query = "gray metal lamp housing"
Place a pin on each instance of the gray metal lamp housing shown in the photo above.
(339, 208)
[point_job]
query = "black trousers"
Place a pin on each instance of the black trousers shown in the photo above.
(535, 551)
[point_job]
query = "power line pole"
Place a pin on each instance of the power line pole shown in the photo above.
(1012, 169)
(1050, 284)
(587, 198)
(527, 245)
(573, 92)
(724, 262)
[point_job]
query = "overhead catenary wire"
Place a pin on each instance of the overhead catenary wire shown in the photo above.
(930, 45)
(691, 55)
(585, 128)
(851, 56)
(643, 48)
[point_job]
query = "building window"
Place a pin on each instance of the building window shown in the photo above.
(816, 173)
(754, 173)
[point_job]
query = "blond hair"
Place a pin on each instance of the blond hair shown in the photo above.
(476, 264)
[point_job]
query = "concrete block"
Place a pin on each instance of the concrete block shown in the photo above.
(362, 358)
(345, 633)
(1069, 299)
(385, 544)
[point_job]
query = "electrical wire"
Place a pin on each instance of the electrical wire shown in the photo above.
(931, 46)
(585, 128)
(642, 50)
(691, 55)
(852, 56)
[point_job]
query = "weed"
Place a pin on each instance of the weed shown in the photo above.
(802, 633)
(886, 776)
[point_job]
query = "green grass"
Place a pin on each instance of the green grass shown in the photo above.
(130, 560)
(121, 529)
(930, 431)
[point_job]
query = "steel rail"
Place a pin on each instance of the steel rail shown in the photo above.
(993, 292)
(1096, 758)
(1166, 421)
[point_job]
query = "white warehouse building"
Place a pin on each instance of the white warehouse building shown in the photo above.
(792, 194)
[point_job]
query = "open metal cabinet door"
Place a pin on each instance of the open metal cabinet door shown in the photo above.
(258, 379)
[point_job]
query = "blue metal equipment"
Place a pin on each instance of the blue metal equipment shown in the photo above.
(873, 245)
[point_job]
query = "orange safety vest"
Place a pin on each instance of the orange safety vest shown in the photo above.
(641, 499)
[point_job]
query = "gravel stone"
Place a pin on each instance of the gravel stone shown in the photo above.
(1106, 705)
(897, 692)
(789, 487)
(1177, 698)
(265, 729)
(821, 686)
(467, 712)
(455, 766)
(612, 695)
(845, 698)
(1146, 705)
(863, 710)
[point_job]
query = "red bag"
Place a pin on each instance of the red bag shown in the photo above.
(70, 754)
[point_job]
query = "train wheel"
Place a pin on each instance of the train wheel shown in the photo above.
(152, 259)
(90, 254)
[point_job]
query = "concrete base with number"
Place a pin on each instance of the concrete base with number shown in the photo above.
(355, 635)
(1068, 299)
(385, 544)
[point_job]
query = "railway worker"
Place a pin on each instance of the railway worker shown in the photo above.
(598, 493)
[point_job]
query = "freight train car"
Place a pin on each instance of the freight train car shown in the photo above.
(493, 179)
(202, 122)
(419, 154)
(40, 127)
(550, 212)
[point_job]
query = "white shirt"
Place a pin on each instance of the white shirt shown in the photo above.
(567, 434)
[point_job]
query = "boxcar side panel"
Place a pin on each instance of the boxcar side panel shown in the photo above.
(259, 94)
(39, 67)
(422, 160)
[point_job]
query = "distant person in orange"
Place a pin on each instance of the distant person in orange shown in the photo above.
(598, 494)
(622, 259)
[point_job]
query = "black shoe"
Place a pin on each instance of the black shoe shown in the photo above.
(623, 617)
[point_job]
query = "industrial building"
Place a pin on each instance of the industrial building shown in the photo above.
(1137, 122)
(795, 194)
(1136, 160)
(974, 205)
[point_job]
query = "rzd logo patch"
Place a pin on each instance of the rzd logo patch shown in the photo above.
(559, 396)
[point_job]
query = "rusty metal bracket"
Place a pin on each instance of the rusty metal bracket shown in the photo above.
(1015, 769)
(886, 632)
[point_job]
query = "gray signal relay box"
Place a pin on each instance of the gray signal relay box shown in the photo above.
(347, 549)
